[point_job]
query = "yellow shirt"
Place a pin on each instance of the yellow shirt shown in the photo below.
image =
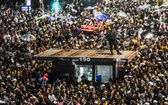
(109, 28)
(135, 40)
(132, 20)
(103, 103)
(141, 20)
(143, 46)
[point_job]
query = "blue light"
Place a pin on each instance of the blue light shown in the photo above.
(56, 5)
(89, 7)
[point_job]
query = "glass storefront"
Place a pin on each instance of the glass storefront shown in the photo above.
(106, 72)
(83, 70)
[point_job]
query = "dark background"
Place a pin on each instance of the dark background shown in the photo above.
(35, 3)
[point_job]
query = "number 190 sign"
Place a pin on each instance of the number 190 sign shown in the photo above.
(84, 59)
(28, 2)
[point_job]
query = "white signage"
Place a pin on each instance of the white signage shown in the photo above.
(84, 59)
(28, 2)
(26, 8)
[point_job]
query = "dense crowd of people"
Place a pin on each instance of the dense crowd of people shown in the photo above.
(143, 81)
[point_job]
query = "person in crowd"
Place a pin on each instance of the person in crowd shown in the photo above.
(112, 39)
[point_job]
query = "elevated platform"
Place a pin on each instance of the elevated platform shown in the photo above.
(72, 63)
(83, 55)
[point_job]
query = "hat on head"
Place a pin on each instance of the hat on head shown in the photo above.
(96, 102)
(103, 99)
(154, 101)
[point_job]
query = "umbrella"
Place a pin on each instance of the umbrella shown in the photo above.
(27, 56)
(71, 17)
(88, 16)
(144, 48)
(96, 7)
(115, 11)
(161, 75)
(143, 6)
(88, 28)
(164, 5)
(42, 17)
(28, 37)
(149, 35)
(102, 16)
(109, 22)
(158, 10)
(50, 18)
(89, 8)
(74, 10)
(9, 54)
(122, 14)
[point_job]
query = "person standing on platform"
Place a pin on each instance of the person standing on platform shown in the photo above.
(112, 39)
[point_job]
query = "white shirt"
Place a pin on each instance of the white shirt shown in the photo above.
(52, 97)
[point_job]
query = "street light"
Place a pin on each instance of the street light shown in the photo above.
(56, 8)
(42, 6)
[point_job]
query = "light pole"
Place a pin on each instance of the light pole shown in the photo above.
(56, 8)
(42, 6)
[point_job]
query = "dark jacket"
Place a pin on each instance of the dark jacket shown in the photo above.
(111, 35)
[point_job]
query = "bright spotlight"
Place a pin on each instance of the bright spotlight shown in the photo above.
(56, 5)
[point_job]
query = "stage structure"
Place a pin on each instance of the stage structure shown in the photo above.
(95, 64)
